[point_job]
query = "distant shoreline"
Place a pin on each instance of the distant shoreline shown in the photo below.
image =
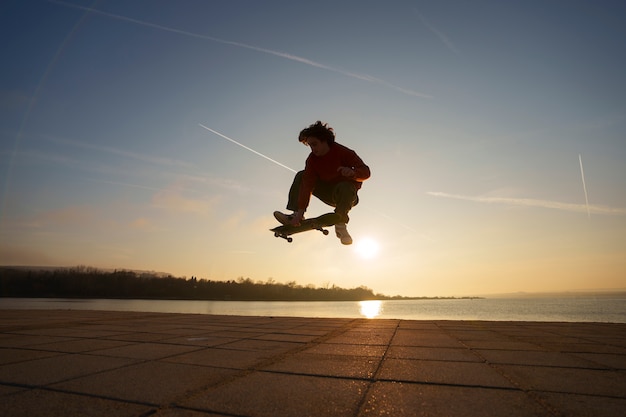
(83, 282)
(562, 294)
(251, 300)
(271, 290)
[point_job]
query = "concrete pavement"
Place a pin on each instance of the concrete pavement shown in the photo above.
(95, 363)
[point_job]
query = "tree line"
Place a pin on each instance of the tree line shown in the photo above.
(86, 282)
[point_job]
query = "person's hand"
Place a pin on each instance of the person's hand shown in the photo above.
(297, 218)
(346, 171)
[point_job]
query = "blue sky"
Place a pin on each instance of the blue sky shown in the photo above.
(474, 118)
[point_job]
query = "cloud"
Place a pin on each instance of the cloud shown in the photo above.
(279, 54)
(173, 200)
(234, 220)
(94, 166)
(142, 223)
(124, 184)
(155, 160)
(67, 216)
(529, 202)
(225, 183)
(186, 172)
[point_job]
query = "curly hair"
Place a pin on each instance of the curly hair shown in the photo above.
(319, 130)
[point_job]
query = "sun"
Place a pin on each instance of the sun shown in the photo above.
(367, 248)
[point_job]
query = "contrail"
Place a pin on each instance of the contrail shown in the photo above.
(582, 174)
(443, 38)
(245, 147)
(529, 202)
(284, 55)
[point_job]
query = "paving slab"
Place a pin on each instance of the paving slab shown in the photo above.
(93, 363)
(47, 403)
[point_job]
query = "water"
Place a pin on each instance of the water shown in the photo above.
(592, 309)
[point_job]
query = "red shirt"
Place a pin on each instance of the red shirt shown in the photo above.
(324, 168)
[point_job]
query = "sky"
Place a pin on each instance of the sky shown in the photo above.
(161, 135)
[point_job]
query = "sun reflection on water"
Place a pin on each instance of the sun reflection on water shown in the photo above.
(371, 308)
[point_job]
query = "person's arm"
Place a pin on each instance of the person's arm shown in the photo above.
(354, 167)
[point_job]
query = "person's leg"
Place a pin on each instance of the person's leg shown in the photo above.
(294, 192)
(342, 196)
(292, 201)
(345, 197)
(325, 192)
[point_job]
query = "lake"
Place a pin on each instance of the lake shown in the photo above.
(571, 309)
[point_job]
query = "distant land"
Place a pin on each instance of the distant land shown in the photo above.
(295, 291)
(63, 268)
(88, 282)
(591, 293)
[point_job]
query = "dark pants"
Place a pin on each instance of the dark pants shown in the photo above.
(342, 195)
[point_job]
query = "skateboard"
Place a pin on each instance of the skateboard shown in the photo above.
(316, 223)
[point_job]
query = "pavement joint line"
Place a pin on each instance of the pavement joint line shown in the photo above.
(200, 410)
(133, 362)
(398, 380)
(257, 367)
(77, 393)
(516, 386)
(366, 392)
(600, 365)
(68, 324)
(581, 394)
(341, 377)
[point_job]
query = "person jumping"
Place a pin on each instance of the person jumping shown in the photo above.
(333, 173)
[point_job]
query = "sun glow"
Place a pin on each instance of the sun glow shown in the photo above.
(370, 308)
(367, 248)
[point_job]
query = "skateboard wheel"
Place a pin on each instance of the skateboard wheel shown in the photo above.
(289, 239)
(325, 232)
(276, 234)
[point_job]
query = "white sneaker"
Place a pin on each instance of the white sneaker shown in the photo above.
(284, 219)
(342, 233)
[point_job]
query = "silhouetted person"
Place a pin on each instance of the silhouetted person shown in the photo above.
(333, 173)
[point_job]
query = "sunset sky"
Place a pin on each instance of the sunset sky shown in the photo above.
(161, 135)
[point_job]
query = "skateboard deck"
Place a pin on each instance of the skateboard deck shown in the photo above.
(316, 223)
